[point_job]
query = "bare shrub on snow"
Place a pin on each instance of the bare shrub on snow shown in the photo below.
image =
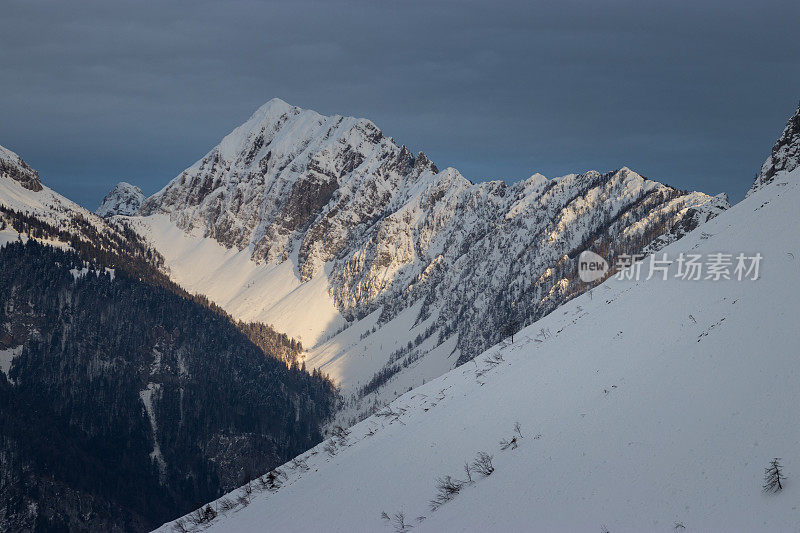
(483, 464)
(399, 522)
(447, 488)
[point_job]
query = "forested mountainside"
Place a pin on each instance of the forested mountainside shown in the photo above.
(380, 240)
(116, 246)
(125, 399)
(656, 404)
(138, 401)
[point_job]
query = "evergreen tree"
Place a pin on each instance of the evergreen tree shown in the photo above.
(773, 475)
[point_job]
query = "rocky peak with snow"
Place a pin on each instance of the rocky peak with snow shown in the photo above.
(391, 232)
(123, 199)
(289, 179)
(12, 166)
(785, 155)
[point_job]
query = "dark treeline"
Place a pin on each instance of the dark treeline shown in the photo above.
(116, 245)
(270, 341)
(129, 402)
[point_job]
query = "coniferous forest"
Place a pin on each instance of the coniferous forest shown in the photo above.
(128, 404)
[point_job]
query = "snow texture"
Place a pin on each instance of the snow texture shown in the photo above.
(643, 406)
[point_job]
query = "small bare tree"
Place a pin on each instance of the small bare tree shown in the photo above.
(197, 517)
(270, 481)
(508, 443)
(511, 324)
(773, 475)
(483, 464)
(340, 433)
(299, 462)
(399, 522)
(209, 513)
(226, 504)
(447, 488)
(330, 448)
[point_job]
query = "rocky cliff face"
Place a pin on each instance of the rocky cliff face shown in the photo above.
(291, 181)
(12, 166)
(123, 199)
(393, 230)
(785, 155)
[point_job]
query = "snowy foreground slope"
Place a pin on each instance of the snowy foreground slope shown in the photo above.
(643, 406)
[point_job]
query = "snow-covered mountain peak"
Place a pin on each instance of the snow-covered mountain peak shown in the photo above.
(12, 166)
(124, 199)
(281, 174)
(537, 178)
(785, 155)
(412, 261)
(275, 105)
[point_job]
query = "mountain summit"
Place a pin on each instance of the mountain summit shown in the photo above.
(389, 269)
(288, 179)
(123, 199)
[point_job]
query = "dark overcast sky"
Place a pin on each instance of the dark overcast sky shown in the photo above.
(690, 93)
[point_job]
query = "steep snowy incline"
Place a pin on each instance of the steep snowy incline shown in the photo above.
(21, 191)
(643, 405)
(390, 270)
(785, 155)
(14, 167)
(253, 292)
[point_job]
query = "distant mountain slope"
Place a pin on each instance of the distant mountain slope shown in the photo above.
(422, 269)
(12, 166)
(123, 399)
(650, 405)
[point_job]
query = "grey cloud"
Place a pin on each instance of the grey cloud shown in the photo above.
(690, 94)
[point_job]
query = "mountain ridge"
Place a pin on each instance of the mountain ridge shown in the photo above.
(357, 224)
(648, 404)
